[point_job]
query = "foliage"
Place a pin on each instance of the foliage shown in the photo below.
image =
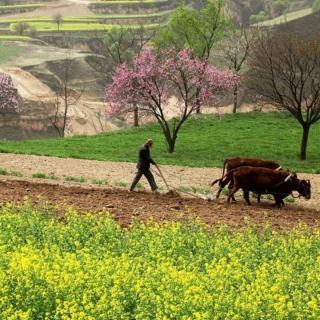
(8, 93)
(196, 30)
(316, 5)
(152, 81)
(87, 268)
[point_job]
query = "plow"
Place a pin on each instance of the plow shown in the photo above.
(172, 189)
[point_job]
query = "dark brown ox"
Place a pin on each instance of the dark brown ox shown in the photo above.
(233, 163)
(280, 184)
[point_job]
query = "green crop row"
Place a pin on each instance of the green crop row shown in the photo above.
(84, 19)
(14, 38)
(69, 27)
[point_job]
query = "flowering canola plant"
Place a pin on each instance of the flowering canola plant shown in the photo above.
(86, 267)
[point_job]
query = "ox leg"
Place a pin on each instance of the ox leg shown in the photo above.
(232, 191)
(259, 197)
(230, 186)
(279, 201)
(246, 197)
(219, 192)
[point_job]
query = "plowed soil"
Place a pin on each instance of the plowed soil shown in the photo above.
(125, 206)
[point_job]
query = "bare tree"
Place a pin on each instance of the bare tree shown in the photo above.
(58, 19)
(65, 98)
(235, 50)
(284, 71)
(120, 45)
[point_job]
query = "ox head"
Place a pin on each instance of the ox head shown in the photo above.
(304, 189)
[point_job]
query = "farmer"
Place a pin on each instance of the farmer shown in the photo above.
(143, 167)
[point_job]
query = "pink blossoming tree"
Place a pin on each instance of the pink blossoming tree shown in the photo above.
(152, 81)
(8, 93)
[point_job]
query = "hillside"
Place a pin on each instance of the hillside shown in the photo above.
(246, 12)
(307, 26)
(34, 54)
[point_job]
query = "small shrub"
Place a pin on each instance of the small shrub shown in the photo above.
(53, 178)
(75, 179)
(15, 173)
(103, 182)
(3, 172)
(39, 175)
(121, 184)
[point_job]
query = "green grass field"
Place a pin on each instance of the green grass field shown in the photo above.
(85, 19)
(13, 38)
(47, 26)
(202, 142)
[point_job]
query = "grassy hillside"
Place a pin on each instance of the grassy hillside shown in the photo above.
(203, 142)
(307, 26)
(287, 17)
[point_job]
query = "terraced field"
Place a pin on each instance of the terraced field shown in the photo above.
(87, 16)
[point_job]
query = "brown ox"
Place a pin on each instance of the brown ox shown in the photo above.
(233, 163)
(280, 184)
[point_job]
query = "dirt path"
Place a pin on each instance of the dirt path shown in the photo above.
(119, 174)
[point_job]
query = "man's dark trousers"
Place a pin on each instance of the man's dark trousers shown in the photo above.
(148, 174)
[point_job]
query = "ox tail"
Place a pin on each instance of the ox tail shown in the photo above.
(223, 176)
(224, 167)
(215, 181)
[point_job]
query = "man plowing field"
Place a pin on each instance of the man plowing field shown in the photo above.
(143, 167)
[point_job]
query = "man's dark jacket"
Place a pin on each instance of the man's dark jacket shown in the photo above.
(144, 159)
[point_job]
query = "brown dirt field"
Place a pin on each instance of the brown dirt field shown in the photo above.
(124, 206)
(121, 174)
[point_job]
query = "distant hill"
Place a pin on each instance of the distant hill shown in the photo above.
(247, 12)
(307, 27)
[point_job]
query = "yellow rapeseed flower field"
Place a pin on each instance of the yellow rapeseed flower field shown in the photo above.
(85, 267)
